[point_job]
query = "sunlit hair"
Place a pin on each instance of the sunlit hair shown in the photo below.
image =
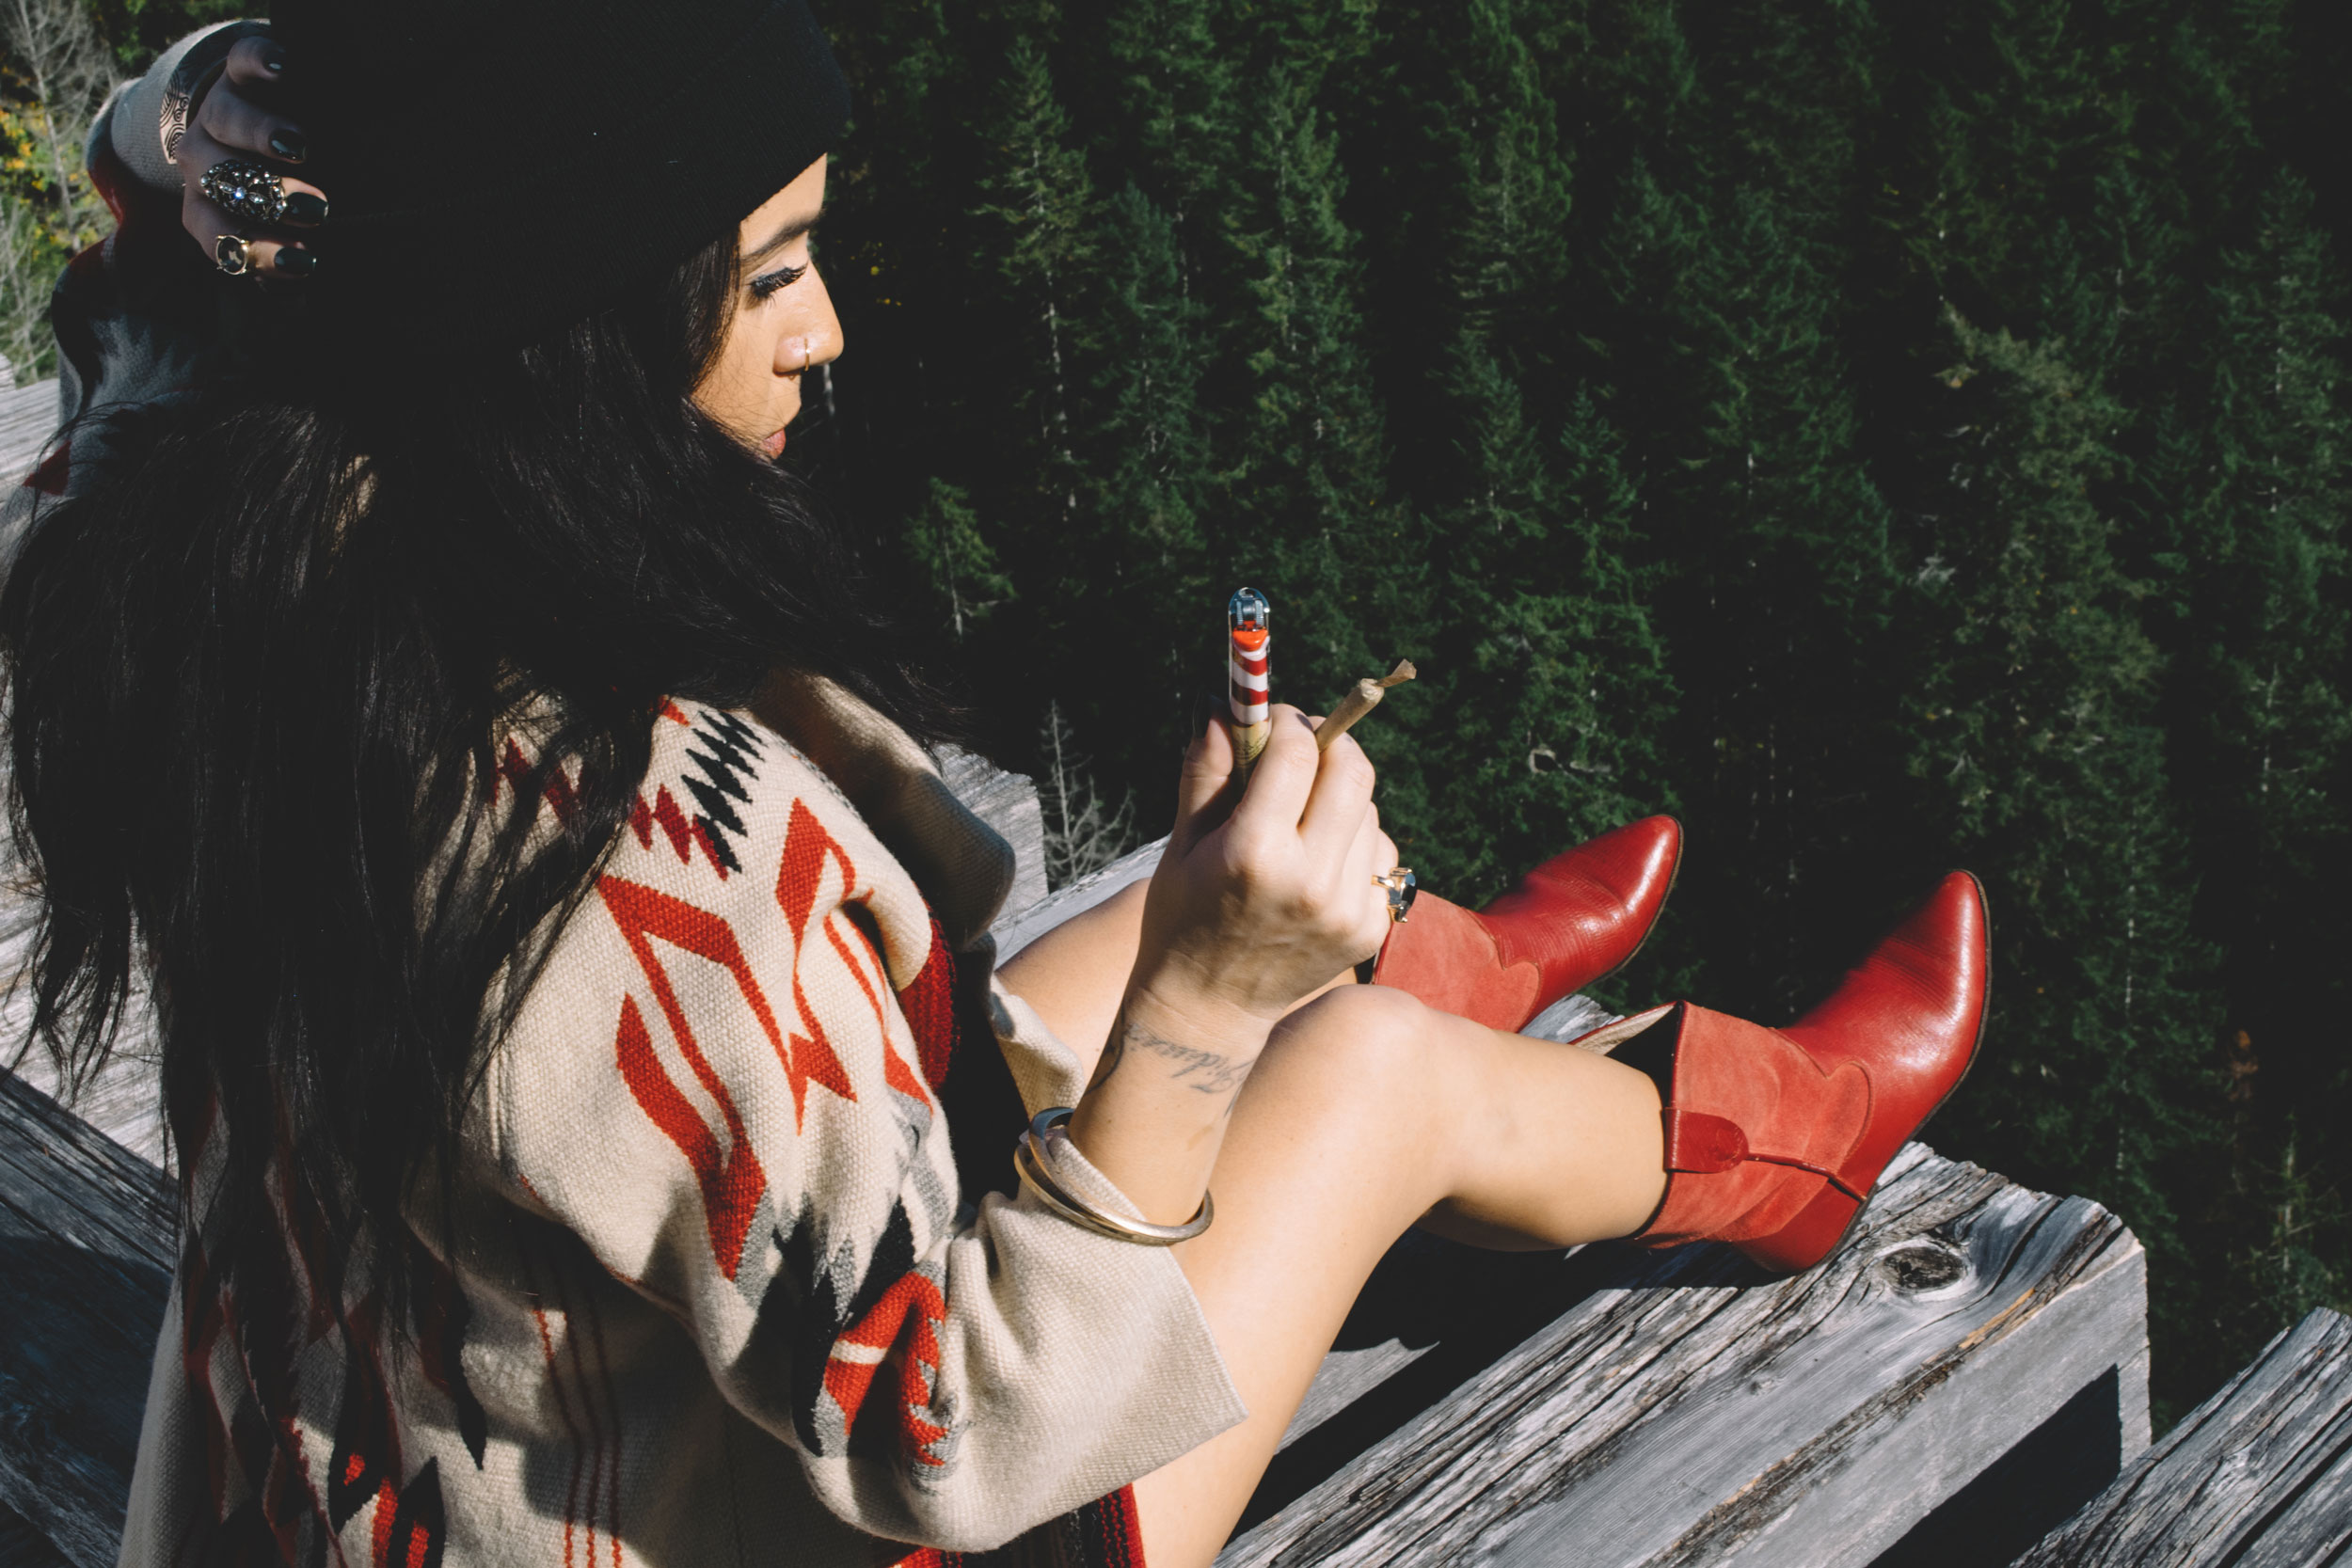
(258, 681)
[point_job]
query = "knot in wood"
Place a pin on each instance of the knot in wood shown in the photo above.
(1922, 1263)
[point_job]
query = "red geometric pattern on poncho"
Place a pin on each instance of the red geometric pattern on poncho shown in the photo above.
(711, 1210)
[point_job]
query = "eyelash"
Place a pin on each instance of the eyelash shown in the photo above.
(772, 282)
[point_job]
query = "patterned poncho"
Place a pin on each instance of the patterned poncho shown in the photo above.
(711, 1293)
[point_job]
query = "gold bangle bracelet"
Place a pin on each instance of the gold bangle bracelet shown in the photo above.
(1036, 1174)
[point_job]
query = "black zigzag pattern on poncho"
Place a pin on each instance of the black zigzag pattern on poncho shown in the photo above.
(724, 769)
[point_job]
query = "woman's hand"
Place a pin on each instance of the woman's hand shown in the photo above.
(1256, 908)
(1251, 911)
(233, 121)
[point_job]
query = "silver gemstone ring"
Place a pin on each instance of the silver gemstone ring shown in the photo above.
(244, 189)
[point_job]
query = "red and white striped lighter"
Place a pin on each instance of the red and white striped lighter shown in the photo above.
(1246, 617)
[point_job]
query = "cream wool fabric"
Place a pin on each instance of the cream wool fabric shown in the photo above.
(712, 1300)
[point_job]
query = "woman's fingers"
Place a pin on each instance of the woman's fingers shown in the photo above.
(1284, 776)
(1341, 795)
(235, 122)
(249, 129)
(271, 250)
(255, 67)
(1360, 904)
(203, 147)
(1208, 767)
(272, 259)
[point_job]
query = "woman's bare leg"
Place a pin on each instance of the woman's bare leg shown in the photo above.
(1368, 1113)
(1075, 974)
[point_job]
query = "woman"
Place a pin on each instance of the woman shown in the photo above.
(567, 958)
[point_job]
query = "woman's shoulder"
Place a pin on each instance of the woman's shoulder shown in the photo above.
(712, 1039)
(733, 819)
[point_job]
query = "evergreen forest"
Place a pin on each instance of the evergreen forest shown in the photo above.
(1889, 435)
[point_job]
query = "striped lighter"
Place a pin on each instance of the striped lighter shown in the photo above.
(1246, 617)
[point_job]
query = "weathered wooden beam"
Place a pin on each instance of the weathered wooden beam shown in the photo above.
(28, 417)
(1008, 803)
(86, 1261)
(2259, 1476)
(1016, 931)
(1679, 1408)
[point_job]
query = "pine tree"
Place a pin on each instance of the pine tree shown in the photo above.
(2043, 741)
(948, 545)
(2265, 723)
(1149, 592)
(1037, 231)
(1547, 679)
(1303, 509)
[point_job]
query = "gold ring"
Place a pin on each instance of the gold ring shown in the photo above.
(228, 253)
(1402, 889)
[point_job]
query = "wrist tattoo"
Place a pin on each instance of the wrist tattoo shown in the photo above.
(1206, 1071)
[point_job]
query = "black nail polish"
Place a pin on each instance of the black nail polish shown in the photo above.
(274, 64)
(305, 210)
(296, 263)
(290, 145)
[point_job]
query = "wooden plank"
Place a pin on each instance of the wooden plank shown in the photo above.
(86, 1261)
(1680, 1408)
(1008, 803)
(22, 1546)
(2259, 1476)
(1014, 932)
(28, 417)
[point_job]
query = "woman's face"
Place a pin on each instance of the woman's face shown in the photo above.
(783, 322)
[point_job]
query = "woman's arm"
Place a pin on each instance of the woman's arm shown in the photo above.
(1250, 912)
(724, 1081)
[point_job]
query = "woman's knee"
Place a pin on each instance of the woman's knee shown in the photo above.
(1358, 1043)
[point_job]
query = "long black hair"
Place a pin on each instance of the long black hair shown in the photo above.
(259, 679)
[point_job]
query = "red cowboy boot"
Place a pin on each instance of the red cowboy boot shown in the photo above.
(1568, 923)
(1775, 1138)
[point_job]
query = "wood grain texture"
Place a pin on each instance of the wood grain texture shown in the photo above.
(86, 1261)
(28, 417)
(1008, 803)
(1016, 931)
(22, 1546)
(2259, 1476)
(1680, 1408)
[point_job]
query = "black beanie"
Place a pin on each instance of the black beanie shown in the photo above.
(501, 167)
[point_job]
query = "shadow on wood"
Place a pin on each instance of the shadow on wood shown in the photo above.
(1676, 1408)
(2259, 1476)
(2060, 1466)
(86, 1261)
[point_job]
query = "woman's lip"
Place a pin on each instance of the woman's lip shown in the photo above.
(773, 446)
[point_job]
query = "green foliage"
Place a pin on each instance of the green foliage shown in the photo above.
(1891, 435)
(2039, 734)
